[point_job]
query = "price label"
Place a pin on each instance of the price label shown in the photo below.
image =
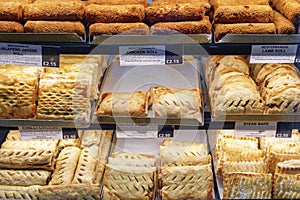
(166, 133)
(30, 55)
(40, 133)
(284, 130)
(273, 53)
(255, 129)
(69, 134)
(150, 55)
(136, 131)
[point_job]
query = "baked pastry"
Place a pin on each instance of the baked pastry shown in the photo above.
(187, 27)
(243, 14)
(135, 157)
(105, 145)
(244, 28)
(286, 186)
(289, 8)
(175, 153)
(27, 159)
(128, 182)
(282, 24)
(54, 27)
(68, 142)
(256, 166)
(20, 1)
(65, 166)
(19, 192)
(108, 195)
(119, 2)
(174, 12)
(31, 145)
(186, 182)
(63, 97)
(204, 3)
(24, 177)
(11, 27)
(61, 192)
(13, 135)
(247, 186)
(124, 104)
(131, 162)
(72, 11)
(119, 28)
(176, 102)
(218, 3)
(288, 167)
(89, 170)
(18, 86)
(114, 13)
(11, 11)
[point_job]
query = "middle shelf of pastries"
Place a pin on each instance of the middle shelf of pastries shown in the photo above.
(77, 94)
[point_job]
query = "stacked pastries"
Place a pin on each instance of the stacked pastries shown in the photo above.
(73, 172)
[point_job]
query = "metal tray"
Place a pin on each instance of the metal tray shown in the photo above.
(34, 122)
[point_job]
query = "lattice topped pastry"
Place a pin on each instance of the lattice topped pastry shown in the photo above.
(247, 186)
(176, 102)
(131, 183)
(176, 153)
(256, 166)
(108, 195)
(33, 145)
(135, 157)
(65, 166)
(131, 162)
(26, 159)
(288, 167)
(24, 177)
(19, 192)
(124, 104)
(286, 186)
(186, 182)
(18, 88)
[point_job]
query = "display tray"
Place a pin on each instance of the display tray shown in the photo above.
(36, 122)
(152, 39)
(141, 78)
(42, 37)
(260, 38)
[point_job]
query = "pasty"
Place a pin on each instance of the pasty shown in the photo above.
(256, 166)
(124, 104)
(288, 167)
(286, 186)
(108, 195)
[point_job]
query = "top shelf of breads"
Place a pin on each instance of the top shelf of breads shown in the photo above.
(205, 21)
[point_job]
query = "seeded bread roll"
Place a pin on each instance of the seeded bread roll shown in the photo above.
(119, 28)
(54, 27)
(241, 14)
(65, 11)
(289, 8)
(11, 11)
(188, 27)
(11, 27)
(119, 2)
(244, 28)
(174, 12)
(282, 24)
(114, 13)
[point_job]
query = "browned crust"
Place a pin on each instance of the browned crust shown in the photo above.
(11, 27)
(119, 2)
(282, 24)
(204, 3)
(188, 27)
(174, 12)
(289, 8)
(114, 13)
(244, 28)
(54, 11)
(11, 11)
(241, 14)
(119, 28)
(54, 27)
(218, 3)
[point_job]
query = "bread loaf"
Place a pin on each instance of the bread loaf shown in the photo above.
(114, 13)
(119, 28)
(11, 11)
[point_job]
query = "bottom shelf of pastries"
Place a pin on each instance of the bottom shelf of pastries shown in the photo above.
(256, 168)
(54, 169)
(166, 169)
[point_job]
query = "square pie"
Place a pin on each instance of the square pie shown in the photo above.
(176, 102)
(286, 186)
(133, 104)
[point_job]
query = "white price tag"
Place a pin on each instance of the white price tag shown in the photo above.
(21, 54)
(273, 54)
(255, 129)
(142, 55)
(40, 133)
(136, 131)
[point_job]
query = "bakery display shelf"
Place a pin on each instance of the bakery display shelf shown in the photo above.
(152, 39)
(260, 39)
(36, 122)
(42, 38)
